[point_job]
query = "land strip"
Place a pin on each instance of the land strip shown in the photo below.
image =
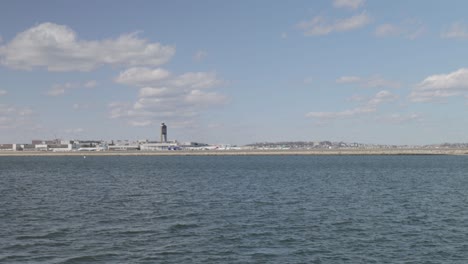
(244, 152)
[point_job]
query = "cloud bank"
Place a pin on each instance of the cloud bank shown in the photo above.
(12, 117)
(368, 107)
(58, 48)
(436, 87)
(165, 96)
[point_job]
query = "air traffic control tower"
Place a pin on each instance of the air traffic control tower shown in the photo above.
(163, 132)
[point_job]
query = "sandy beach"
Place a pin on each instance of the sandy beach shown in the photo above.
(246, 152)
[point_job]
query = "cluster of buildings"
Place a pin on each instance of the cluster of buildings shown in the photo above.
(163, 144)
(313, 145)
(58, 145)
(303, 145)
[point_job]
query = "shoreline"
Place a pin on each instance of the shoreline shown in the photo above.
(319, 152)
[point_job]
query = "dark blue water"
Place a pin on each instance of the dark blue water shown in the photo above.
(255, 209)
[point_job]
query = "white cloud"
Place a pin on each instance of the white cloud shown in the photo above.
(346, 113)
(142, 76)
(439, 86)
(196, 80)
(150, 91)
(321, 26)
(148, 111)
(175, 98)
(382, 97)
(200, 55)
(368, 107)
(205, 98)
(12, 117)
(430, 96)
(352, 4)
(3, 92)
(374, 81)
(410, 29)
(456, 30)
(145, 76)
(378, 82)
(386, 30)
(59, 89)
(57, 48)
(118, 109)
(91, 84)
(56, 91)
(77, 106)
(356, 98)
(140, 123)
(400, 118)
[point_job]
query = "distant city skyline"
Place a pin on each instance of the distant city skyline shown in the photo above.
(237, 72)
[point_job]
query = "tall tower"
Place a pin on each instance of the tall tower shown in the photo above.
(163, 132)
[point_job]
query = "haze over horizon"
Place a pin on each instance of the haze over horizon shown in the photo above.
(235, 72)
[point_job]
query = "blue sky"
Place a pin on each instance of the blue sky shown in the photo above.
(235, 72)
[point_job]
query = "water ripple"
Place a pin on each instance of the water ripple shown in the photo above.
(298, 209)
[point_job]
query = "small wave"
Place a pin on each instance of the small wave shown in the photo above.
(11, 258)
(136, 231)
(167, 253)
(182, 226)
(23, 246)
(53, 234)
(265, 254)
(260, 234)
(88, 258)
(288, 240)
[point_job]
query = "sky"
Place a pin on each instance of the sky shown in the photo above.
(235, 72)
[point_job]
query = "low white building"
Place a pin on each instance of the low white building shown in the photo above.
(7, 146)
(158, 146)
(42, 147)
(123, 147)
(61, 147)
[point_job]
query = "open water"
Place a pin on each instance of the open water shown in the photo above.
(234, 209)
